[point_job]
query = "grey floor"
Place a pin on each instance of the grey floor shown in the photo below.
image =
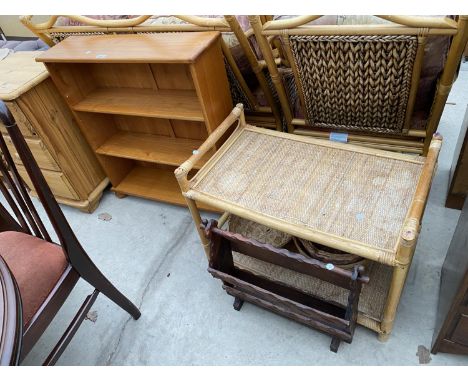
(152, 253)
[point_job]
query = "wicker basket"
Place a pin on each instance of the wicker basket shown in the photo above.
(258, 232)
(327, 254)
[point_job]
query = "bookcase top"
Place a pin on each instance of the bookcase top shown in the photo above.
(180, 47)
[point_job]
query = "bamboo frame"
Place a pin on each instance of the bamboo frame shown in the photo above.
(402, 25)
(256, 66)
(194, 24)
(400, 258)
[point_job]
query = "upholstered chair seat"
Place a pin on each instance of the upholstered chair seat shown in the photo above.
(37, 266)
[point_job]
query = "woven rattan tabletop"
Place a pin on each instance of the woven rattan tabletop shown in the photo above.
(19, 72)
(314, 189)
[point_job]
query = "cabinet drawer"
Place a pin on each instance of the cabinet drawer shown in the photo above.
(460, 334)
(39, 152)
(57, 182)
(23, 123)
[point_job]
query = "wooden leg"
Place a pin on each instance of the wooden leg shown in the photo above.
(120, 195)
(71, 330)
(238, 303)
(91, 273)
(335, 344)
(383, 337)
(91, 207)
(394, 294)
(197, 220)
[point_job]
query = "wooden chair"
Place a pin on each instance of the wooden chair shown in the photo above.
(359, 200)
(46, 272)
(242, 90)
(365, 80)
(282, 299)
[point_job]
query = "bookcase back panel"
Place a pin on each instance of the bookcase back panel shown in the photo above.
(189, 129)
(122, 76)
(74, 81)
(173, 76)
(144, 125)
(160, 126)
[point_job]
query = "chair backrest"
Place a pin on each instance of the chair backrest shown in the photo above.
(27, 219)
(51, 32)
(361, 79)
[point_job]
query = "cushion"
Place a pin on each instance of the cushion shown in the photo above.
(37, 266)
(20, 46)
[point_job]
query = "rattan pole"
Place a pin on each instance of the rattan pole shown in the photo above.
(297, 78)
(393, 299)
(445, 84)
(26, 21)
(223, 219)
(290, 23)
(197, 221)
(355, 30)
(411, 133)
(174, 28)
(421, 21)
(257, 69)
(353, 138)
(181, 173)
(356, 248)
(408, 238)
(407, 21)
(122, 23)
(274, 74)
(398, 149)
(418, 205)
(204, 21)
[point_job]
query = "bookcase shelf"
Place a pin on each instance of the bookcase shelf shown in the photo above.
(145, 109)
(151, 148)
(153, 183)
(174, 104)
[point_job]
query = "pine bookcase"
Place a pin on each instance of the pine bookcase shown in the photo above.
(144, 102)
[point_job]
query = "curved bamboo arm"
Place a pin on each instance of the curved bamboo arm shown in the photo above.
(421, 21)
(87, 21)
(290, 23)
(182, 171)
(204, 21)
(409, 21)
(123, 23)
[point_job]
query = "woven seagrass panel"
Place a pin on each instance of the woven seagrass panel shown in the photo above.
(358, 196)
(359, 83)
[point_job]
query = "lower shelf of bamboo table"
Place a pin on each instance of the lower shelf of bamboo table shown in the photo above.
(155, 184)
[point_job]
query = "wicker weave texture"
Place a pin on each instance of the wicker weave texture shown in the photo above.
(355, 82)
(349, 194)
(258, 232)
(373, 295)
(60, 36)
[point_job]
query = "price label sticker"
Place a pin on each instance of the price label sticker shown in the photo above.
(339, 137)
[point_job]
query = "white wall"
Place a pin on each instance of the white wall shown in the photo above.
(12, 26)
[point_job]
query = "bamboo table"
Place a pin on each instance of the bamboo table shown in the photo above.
(363, 201)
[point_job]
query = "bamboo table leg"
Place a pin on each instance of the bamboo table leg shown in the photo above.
(197, 220)
(393, 299)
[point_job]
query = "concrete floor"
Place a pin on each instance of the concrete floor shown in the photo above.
(152, 253)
